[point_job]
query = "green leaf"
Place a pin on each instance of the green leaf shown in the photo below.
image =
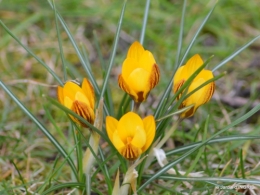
(171, 164)
(31, 53)
(42, 128)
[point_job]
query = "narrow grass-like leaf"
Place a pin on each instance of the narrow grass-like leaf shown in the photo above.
(42, 128)
(100, 57)
(108, 94)
(85, 56)
(242, 164)
(178, 53)
(166, 93)
(199, 154)
(124, 104)
(167, 189)
(174, 113)
(235, 54)
(171, 164)
(213, 141)
(78, 52)
(22, 25)
(78, 144)
(54, 172)
(146, 13)
(203, 179)
(20, 176)
(64, 185)
(112, 57)
(70, 112)
(196, 35)
(106, 172)
(51, 119)
(60, 44)
(169, 86)
(31, 53)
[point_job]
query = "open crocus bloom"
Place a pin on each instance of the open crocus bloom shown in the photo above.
(201, 96)
(81, 100)
(131, 135)
(140, 73)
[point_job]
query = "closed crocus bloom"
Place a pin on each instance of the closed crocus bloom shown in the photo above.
(201, 96)
(140, 73)
(131, 135)
(80, 99)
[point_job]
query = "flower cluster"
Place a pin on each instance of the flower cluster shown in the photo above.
(131, 135)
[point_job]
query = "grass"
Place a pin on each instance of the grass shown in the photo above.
(31, 163)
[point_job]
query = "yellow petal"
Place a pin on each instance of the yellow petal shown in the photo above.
(205, 74)
(178, 77)
(89, 92)
(70, 89)
(138, 81)
(205, 93)
(149, 127)
(68, 102)
(192, 65)
(117, 141)
(127, 125)
(198, 98)
(82, 98)
(60, 94)
(147, 61)
(135, 50)
(139, 138)
(129, 65)
(111, 126)
(124, 86)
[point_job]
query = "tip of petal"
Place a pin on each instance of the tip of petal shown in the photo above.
(135, 50)
(194, 63)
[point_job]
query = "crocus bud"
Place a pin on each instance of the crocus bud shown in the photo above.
(140, 73)
(80, 99)
(201, 96)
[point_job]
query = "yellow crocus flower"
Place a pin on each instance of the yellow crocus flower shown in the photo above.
(131, 135)
(81, 100)
(140, 73)
(201, 96)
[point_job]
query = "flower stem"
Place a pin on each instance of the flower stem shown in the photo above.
(89, 159)
(136, 106)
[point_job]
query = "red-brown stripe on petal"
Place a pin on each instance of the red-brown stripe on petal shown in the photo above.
(177, 86)
(209, 92)
(84, 111)
(155, 76)
(122, 84)
(130, 152)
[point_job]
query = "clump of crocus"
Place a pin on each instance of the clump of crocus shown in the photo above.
(131, 135)
(80, 99)
(140, 73)
(201, 96)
